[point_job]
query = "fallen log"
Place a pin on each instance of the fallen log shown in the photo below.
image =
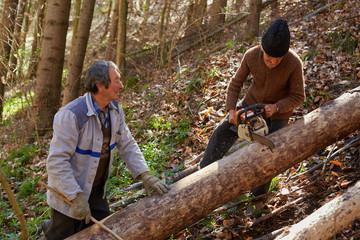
(198, 194)
(327, 220)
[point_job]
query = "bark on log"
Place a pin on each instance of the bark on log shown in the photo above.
(193, 197)
(329, 219)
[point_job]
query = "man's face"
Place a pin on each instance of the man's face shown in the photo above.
(112, 92)
(271, 61)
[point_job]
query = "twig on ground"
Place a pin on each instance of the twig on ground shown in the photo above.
(328, 157)
(196, 160)
(319, 10)
(292, 174)
(202, 103)
(350, 144)
(276, 211)
(223, 209)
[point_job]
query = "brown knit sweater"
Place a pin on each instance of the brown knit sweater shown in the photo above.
(283, 84)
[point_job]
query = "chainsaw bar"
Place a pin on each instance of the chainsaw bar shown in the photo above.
(262, 139)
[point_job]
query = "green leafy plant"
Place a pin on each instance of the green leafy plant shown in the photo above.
(15, 103)
(27, 187)
(208, 222)
(274, 184)
(16, 165)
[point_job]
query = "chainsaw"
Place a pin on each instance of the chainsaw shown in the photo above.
(251, 125)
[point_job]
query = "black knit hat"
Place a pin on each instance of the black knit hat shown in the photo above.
(276, 40)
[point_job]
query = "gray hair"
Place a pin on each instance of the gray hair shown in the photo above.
(99, 72)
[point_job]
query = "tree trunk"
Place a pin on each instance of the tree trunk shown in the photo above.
(274, 10)
(75, 24)
(108, 20)
(24, 32)
(217, 13)
(195, 196)
(50, 68)
(6, 30)
(238, 5)
(16, 39)
(143, 28)
(253, 19)
(109, 56)
(121, 37)
(195, 17)
(34, 59)
(163, 30)
(327, 220)
(78, 51)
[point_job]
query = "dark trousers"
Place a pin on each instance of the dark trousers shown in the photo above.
(223, 138)
(62, 226)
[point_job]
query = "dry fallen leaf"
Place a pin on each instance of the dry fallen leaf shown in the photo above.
(336, 163)
(228, 222)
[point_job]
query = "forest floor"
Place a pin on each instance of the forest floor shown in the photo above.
(172, 115)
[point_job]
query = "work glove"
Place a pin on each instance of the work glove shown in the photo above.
(80, 208)
(151, 182)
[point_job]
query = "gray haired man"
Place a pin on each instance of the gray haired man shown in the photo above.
(86, 132)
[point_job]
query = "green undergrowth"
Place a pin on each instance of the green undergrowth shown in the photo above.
(15, 103)
(162, 138)
(23, 176)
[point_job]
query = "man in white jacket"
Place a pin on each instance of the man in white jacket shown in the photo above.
(86, 132)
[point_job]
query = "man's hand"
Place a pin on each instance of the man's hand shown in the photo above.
(232, 118)
(151, 182)
(81, 208)
(270, 109)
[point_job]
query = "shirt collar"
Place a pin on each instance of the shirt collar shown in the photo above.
(98, 109)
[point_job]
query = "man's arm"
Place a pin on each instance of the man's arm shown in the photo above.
(135, 161)
(62, 147)
(296, 91)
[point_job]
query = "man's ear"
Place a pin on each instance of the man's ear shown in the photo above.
(99, 85)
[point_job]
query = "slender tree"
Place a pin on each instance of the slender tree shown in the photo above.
(252, 28)
(162, 32)
(113, 32)
(274, 10)
(50, 68)
(217, 13)
(24, 33)
(75, 25)
(195, 16)
(108, 20)
(16, 38)
(38, 26)
(238, 5)
(121, 36)
(143, 27)
(78, 52)
(6, 31)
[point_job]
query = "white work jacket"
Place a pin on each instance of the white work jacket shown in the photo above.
(75, 149)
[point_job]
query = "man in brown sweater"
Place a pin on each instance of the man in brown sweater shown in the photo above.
(278, 83)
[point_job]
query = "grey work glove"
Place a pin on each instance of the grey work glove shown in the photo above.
(151, 182)
(81, 208)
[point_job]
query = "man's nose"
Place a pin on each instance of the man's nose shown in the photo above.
(121, 85)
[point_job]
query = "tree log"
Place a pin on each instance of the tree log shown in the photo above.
(198, 194)
(329, 219)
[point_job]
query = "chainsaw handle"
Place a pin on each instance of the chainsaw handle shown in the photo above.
(255, 110)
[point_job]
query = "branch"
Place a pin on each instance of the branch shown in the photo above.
(277, 211)
(319, 10)
(24, 232)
